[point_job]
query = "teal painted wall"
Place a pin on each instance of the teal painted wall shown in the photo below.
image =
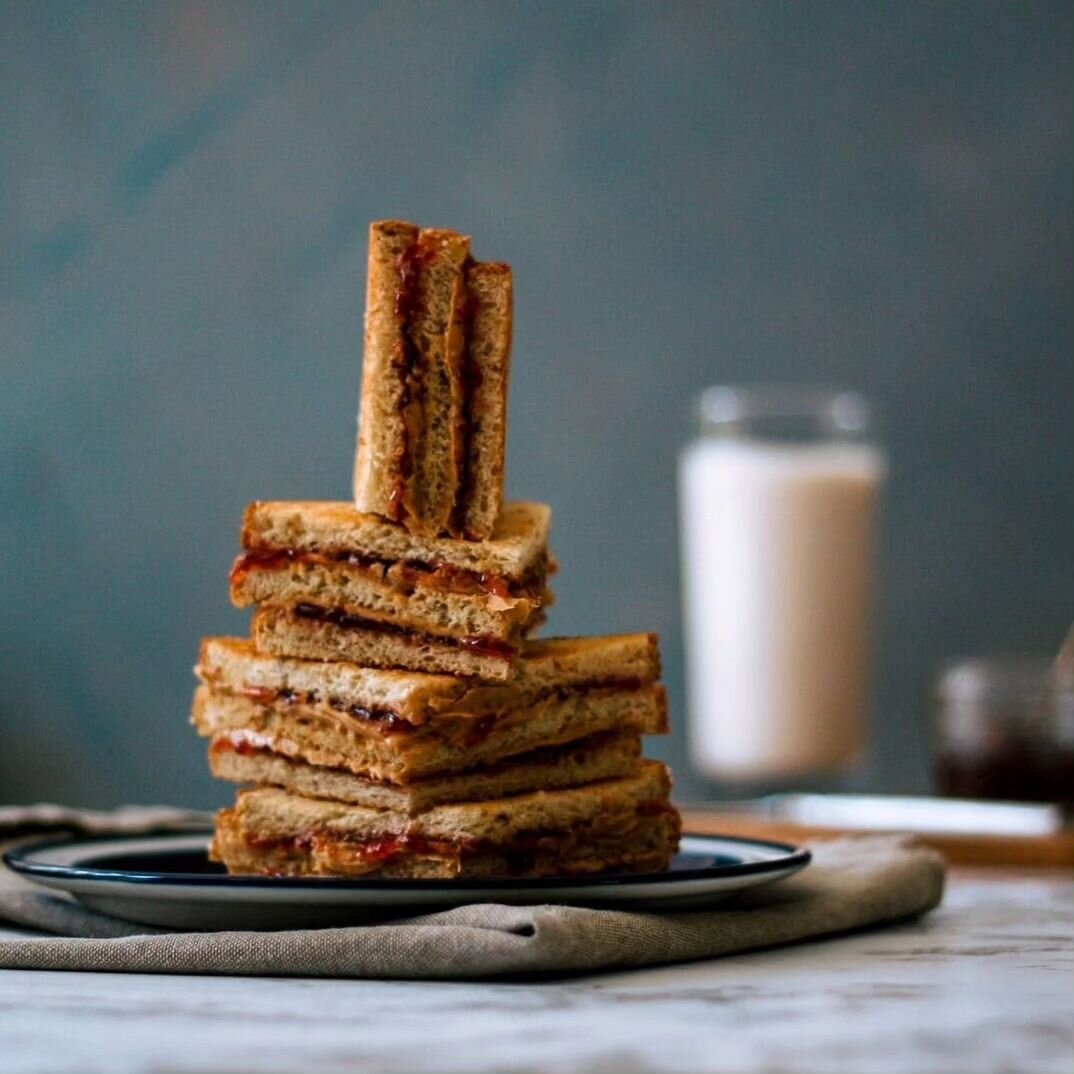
(876, 195)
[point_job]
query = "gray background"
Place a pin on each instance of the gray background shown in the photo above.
(875, 195)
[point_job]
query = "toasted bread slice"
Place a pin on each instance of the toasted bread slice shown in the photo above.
(551, 666)
(241, 758)
(646, 844)
(386, 424)
(311, 632)
(436, 329)
(485, 368)
(274, 813)
(234, 666)
(426, 596)
(601, 659)
(314, 632)
(397, 594)
(518, 542)
(409, 458)
(624, 823)
(376, 744)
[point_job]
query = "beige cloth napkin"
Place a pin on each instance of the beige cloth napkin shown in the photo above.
(851, 884)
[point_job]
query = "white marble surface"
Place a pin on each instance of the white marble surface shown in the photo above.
(985, 984)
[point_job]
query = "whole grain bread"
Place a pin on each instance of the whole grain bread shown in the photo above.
(644, 843)
(617, 661)
(241, 758)
(436, 330)
(416, 600)
(380, 472)
(274, 813)
(235, 666)
(517, 545)
(284, 631)
(323, 731)
(432, 420)
(486, 367)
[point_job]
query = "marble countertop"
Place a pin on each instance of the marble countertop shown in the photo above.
(984, 984)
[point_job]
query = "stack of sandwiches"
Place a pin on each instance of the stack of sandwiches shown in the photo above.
(392, 714)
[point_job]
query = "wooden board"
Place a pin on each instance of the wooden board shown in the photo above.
(1039, 851)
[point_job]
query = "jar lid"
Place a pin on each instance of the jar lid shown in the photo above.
(1009, 678)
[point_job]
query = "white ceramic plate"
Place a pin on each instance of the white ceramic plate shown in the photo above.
(167, 880)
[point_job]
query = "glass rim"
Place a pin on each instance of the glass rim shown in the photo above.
(843, 410)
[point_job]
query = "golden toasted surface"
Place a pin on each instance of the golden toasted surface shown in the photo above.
(437, 330)
(596, 658)
(235, 665)
(489, 357)
(333, 736)
(242, 758)
(415, 600)
(291, 632)
(645, 845)
(517, 544)
(383, 434)
(434, 383)
(273, 813)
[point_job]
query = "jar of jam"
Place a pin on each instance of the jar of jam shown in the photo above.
(1005, 729)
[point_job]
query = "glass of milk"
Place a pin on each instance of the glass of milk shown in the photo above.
(778, 496)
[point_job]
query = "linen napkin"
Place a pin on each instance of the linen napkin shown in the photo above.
(851, 884)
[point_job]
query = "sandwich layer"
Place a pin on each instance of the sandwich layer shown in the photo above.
(379, 746)
(313, 632)
(243, 757)
(233, 666)
(443, 601)
(437, 329)
(514, 549)
(549, 665)
(648, 846)
(622, 824)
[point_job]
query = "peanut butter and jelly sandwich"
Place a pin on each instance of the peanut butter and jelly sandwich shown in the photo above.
(391, 713)
(407, 741)
(616, 825)
(333, 583)
(433, 414)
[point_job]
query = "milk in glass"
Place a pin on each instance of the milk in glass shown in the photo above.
(777, 501)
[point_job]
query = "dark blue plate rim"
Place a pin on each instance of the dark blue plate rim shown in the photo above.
(16, 859)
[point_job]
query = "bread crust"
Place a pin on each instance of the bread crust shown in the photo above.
(436, 331)
(594, 828)
(240, 758)
(645, 844)
(433, 412)
(374, 593)
(517, 544)
(275, 812)
(624, 662)
(235, 666)
(487, 364)
(455, 740)
(285, 631)
(382, 454)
